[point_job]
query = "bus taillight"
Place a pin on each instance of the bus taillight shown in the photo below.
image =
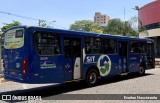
(24, 66)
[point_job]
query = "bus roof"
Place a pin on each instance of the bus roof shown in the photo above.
(85, 33)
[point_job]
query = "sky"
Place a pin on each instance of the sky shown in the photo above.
(66, 12)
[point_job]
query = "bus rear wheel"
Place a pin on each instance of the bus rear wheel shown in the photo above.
(92, 77)
(142, 70)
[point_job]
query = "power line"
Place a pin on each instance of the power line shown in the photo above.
(25, 17)
(19, 16)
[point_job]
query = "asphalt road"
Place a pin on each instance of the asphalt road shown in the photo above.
(131, 84)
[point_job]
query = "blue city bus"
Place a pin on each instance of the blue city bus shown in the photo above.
(45, 55)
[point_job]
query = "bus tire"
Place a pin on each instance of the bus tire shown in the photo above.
(142, 70)
(92, 77)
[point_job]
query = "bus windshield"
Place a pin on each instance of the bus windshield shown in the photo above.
(14, 38)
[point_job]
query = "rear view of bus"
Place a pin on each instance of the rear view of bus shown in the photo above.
(15, 54)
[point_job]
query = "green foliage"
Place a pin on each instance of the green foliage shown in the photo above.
(42, 23)
(134, 22)
(1, 35)
(118, 27)
(7, 26)
(86, 25)
(115, 27)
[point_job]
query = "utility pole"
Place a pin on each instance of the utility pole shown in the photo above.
(124, 13)
(39, 22)
(138, 9)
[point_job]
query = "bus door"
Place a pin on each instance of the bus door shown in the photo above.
(150, 55)
(123, 56)
(72, 55)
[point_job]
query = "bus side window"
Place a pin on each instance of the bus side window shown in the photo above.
(97, 46)
(93, 45)
(109, 46)
(76, 48)
(88, 49)
(56, 50)
(134, 47)
(100, 46)
(88, 45)
(47, 43)
(67, 47)
(142, 47)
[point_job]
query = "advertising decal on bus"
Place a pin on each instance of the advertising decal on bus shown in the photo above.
(46, 64)
(103, 63)
(14, 38)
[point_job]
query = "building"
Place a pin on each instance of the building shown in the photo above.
(149, 16)
(102, 20)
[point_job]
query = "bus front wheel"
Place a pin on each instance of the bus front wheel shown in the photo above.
(92, 77)
(142, 70)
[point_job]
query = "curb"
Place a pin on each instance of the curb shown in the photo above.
(2, 80)
(157, 66)
(1, 76)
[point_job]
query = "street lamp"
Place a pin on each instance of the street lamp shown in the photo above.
(51, 22)
(138, 9)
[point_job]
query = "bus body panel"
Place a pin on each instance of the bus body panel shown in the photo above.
(73, 56)
(13, 58)
(134, 62)
(68, 69)
(150, 55)
(115, 70)
(107, 65)
(123, 55)
(60, 68)
(44, 68)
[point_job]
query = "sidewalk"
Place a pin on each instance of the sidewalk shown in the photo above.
(157, 62)
(2, 80)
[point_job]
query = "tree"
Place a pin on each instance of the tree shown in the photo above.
(42, 23)
(139, 28)
(134, 22)
(96, 28)
(86, 25)
(118, 27)
(115, 27)
(1, 34)
(7, 26)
